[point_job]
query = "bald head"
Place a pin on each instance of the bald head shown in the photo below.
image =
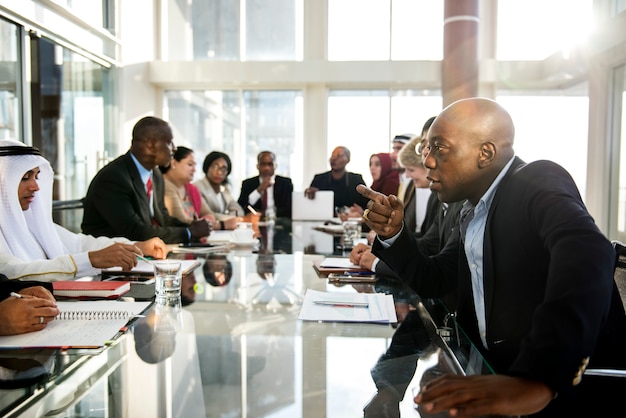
(469, 143)
(482, 120)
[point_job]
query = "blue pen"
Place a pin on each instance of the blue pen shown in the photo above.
(358, 273)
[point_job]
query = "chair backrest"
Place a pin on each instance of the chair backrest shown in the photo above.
(620, 269)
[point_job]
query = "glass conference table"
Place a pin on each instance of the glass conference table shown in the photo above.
(234, 347)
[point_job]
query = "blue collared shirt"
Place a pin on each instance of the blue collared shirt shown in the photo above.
(474, 248)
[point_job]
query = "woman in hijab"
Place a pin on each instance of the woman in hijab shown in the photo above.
(31, 245)
(386, 179)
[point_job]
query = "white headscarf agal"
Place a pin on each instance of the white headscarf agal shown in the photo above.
(30, 234)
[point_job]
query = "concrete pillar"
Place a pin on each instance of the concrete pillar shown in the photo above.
(459, 78)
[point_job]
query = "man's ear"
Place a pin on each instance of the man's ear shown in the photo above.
(487, 154)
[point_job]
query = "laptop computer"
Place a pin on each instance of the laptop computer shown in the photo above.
(321, 208)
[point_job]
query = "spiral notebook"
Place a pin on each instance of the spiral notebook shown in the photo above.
(81, 324)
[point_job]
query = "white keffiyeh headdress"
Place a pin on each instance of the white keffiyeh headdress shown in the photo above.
(30, 234)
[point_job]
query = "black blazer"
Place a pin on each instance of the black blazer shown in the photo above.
(116, 205)
(345, 190)
(282, 195)
(550, 298)
(409, 207)
(443, 226)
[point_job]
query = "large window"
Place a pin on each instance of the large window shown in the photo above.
(241, 124)
(385, 29)
(9, 82)
(536, 29)
(552, 128)
(226, 30)
(366, 120)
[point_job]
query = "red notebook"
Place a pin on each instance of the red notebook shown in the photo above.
(89, 290)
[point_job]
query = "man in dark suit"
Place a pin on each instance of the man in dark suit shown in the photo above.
(125, 198)
(532, 271)
(340, 181)
(267, 193)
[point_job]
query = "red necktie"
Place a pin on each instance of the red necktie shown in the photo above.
(149, 187)
(264, 201)
(149, 193)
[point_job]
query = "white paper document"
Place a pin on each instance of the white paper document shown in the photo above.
(348, 307)
(338, 262)
(144, 267)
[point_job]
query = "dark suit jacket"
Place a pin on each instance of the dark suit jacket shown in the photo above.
(116, 205)
(283, 187)
(345, 189)
(444, 225)
(550, 298)
(409, 207)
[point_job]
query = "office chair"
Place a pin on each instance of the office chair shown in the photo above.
(620, 269)
(620, 281)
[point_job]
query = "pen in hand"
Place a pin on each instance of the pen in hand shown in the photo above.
(251, 209)
(16, 295)
(141, 257)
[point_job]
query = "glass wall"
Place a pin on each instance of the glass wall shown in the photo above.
(10, 119)
(551, 127)
(69, 116)
(366, 120)
(225, 30)
(618, 133)
(384, 30)
(69, 119)
(527, 30)
(240, 123)
(92, 11)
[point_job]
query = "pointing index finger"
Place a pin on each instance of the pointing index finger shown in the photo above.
(369, 193)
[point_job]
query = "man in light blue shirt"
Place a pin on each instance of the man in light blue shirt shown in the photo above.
(532, 272)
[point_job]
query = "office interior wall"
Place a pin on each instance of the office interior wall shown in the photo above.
(144, 74)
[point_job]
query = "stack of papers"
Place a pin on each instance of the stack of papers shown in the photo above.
(337, 265)
(348, 307)
(144, 268)
(338, 262)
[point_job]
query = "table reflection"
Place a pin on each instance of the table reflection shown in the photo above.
(155, 333)
(232, 345)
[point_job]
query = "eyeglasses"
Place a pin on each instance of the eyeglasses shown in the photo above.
(221, 168)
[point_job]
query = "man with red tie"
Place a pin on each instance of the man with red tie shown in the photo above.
(267, 193)
(125, 198)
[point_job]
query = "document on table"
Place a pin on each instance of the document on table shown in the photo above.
(338, 262)
(144, 268)
(348, 307)
(80, 325)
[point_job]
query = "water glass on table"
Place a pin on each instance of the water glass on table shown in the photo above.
(351, 232)
(168, 277)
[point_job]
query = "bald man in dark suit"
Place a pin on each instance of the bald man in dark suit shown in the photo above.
(125, 198)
